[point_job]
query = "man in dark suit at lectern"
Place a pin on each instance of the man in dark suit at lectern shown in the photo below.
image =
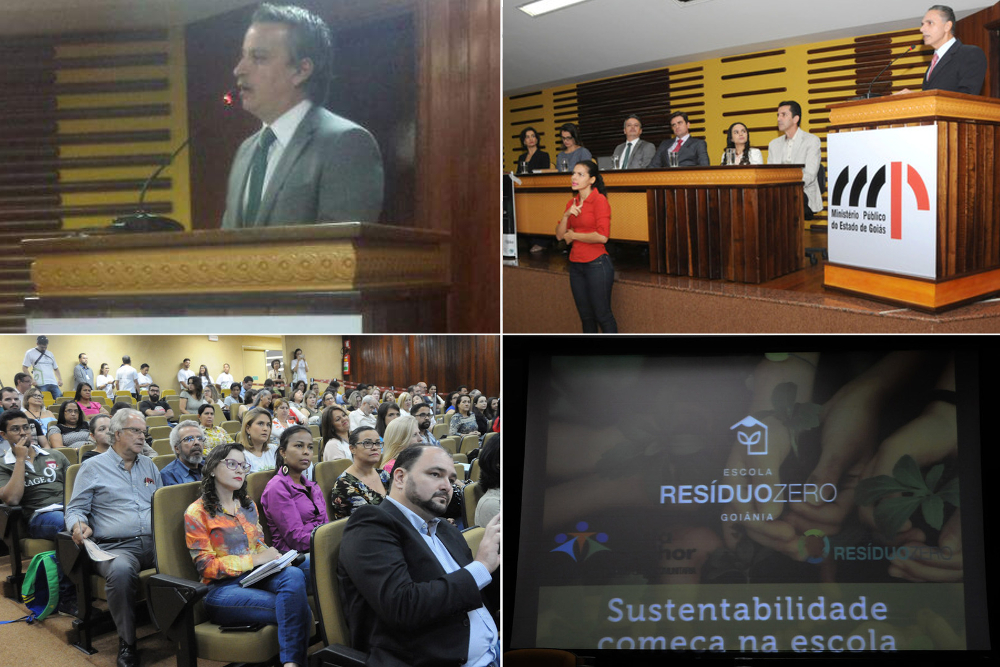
(306, 164)
(960, 68)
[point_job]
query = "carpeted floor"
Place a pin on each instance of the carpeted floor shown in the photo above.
(48, 642)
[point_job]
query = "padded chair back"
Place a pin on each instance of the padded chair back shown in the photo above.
(324, 555)
(473, 536)
(474, 471)
(314, 429)
(325, 474)
(231, 427)
(473, 492)
(72, 455)
(169, 545)
(174, 402)
(156, 420)
(159, 432)
(162, 446)
(451, 444)
(163, 461)
(70, 479)
(439, 431)
(489, 436)
(168, 392)
(256, 481)
(193, 417)
(86, 448)
(469, 443)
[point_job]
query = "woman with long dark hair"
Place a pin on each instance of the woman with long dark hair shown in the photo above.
(223, 533)
(586, 226)
(386, 413)
(335, 432)
(738, 149)
(573, 150)
(489, 478)
(87, 404)
(532, 158)
(294, 504)
(70, 429)
(192, 397)
(106, 381)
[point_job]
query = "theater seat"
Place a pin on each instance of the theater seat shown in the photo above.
(14, 531)
(473, 492)
(325, 474)
(256, 482)
(324, 556)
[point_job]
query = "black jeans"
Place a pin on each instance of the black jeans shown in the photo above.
(591, 283)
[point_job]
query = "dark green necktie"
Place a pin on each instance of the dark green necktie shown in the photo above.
(258, 167)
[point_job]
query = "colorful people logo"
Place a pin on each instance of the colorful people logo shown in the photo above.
(583, 542)
(814, 546)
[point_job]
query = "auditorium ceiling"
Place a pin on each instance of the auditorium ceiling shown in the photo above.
(601, 38)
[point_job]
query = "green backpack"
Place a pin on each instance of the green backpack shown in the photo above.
(40, 590)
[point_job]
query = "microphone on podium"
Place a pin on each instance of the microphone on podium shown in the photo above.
(141, 221)
(869, 94)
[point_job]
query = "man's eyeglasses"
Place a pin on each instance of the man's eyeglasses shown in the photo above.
(233, 464)
(193, 438)
(135, 431)
(18, 429)
(371, 444)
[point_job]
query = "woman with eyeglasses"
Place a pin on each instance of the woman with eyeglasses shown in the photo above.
(225, 539)
(255, 432)
(34, 406)
(294, 505)
(363, 483)
(70, 429)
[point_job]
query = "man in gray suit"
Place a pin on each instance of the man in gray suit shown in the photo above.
(306, 164)
(691, 151)
(639, 152)
(796, 146)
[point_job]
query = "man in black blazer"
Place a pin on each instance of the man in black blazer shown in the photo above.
(960, 68)
(692, 152)
(410, 587)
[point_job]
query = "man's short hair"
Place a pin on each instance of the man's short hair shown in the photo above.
(7, 416)
(682, 114)
(80, 356)
(21, 377)
(794, 107)
(421, 406)
(154, 385)
(370, 399)
(126, 359)
(630, 117)
(185, 359)
(946, 12)
(143, 366)
(5, 390)
(248, 378)
(309, 37)
(175, 433)
(92, 425)
(119, 418)
(202, 408)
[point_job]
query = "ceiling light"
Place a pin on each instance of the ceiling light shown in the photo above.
(539, 7)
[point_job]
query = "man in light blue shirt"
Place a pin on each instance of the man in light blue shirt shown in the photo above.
(111, 504)
(411, 589)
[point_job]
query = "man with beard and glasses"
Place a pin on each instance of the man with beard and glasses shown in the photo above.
(188, 441)
(400, 607)
(423, 415)
(154, 406)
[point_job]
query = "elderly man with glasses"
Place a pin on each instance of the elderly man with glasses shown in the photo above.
(112, 499)
(188, 441)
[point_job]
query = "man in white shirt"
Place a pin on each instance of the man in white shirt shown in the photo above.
(44, 370)
(225, 380)
(184, 373)
(22, 383)
(365, 414)
(796, 146)
(634, 153)
(306, 165)
(127, 378)
(145, 379)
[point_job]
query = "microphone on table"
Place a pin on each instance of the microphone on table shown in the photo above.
(141, 221)
(868, 95)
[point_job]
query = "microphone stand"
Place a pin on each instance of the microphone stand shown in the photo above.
(869, 94)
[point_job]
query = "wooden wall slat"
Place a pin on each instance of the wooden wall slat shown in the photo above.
(446, 361)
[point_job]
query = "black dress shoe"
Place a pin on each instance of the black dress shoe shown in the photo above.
(128, 655)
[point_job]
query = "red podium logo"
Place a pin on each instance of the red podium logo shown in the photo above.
(913, 180)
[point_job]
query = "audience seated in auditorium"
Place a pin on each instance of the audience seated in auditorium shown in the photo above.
(479, 405)
(255, 434)
(8, 399)
(283, 418)
(263, 399)
(34, 478)
(70, 429)
(363, 483)
(33, 405)
(386, 413)
(188, 443)
(214, 435)
(464, 421)
(232, 403)
(85, 401)
(193, 397)
(493, 409)
(100, 435)
(422, 413)
(111, 504)
(223, 534)
(247, 386)
(398, 438)
(293, 503)
(453, 401)
(335, 433)
(691, 151)
(398, 605)
(365, 414)
(154, 406)
(211, 397)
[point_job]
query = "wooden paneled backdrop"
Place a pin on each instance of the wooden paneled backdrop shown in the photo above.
(432, 102)
(447, 361)
(745, 88)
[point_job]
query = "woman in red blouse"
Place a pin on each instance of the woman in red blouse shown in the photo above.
(585, 226)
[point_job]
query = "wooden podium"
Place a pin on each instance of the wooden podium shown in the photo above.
(967, 236)
(368, 277)
(743, 224)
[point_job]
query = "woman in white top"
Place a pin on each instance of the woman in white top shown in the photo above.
(206, 379)
(106, 382)
(300, 369)
(738, 150)
(405, 403)
(254, 435)
(334, 429)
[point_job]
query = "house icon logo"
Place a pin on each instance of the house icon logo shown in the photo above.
(753, 434)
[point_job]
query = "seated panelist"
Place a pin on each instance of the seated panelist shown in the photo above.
(691, 151)
(634, 153)
(738, 150)
(307, 164)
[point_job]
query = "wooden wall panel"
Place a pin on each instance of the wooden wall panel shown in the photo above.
(983, 30)
(446, 361)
